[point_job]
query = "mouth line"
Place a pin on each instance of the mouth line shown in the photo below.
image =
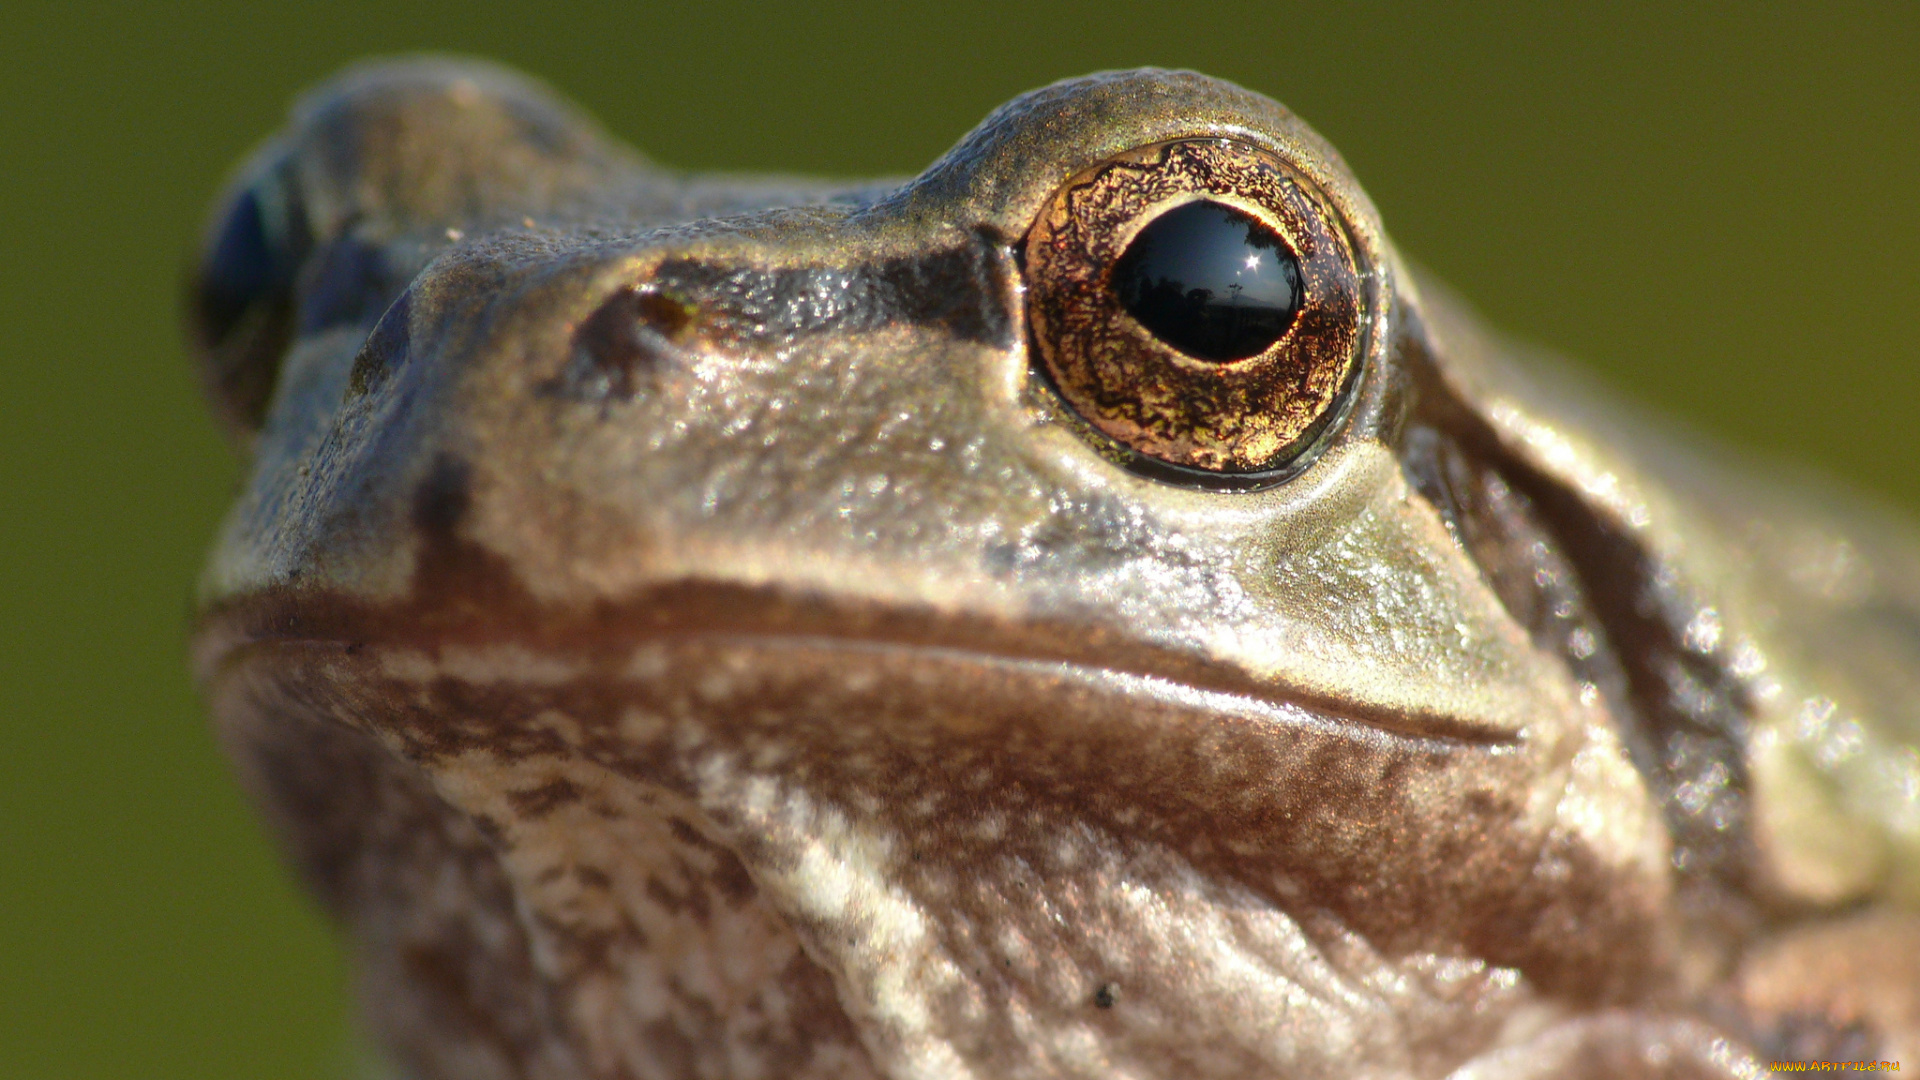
(601, 644)
(1214, 687)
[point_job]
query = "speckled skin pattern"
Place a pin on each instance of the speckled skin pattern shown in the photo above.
(679, 633)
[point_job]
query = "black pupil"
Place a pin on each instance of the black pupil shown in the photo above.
(1211, 281)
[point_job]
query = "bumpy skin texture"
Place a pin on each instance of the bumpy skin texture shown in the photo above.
(679, 634)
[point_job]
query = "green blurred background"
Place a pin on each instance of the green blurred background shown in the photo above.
(1717, 210)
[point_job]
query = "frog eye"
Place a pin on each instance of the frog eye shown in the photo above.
(242, 295)
(1198, 302)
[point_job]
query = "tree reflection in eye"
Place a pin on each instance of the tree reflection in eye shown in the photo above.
(1197, 279)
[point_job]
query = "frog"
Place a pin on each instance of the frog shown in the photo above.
(1091, 609)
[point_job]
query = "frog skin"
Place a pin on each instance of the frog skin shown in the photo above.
(693, 626)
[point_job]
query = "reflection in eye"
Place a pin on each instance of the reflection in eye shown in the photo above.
(1209, 280)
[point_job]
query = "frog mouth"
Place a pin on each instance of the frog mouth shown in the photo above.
(487, 631)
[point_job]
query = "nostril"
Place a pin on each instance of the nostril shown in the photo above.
(623, 342)
(670, 315)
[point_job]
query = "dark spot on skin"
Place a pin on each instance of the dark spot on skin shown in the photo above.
(385, 351)
(695, 898)
(1898, 621)
(687, 834)
(1107, 994)
(489, 828)
(731, 878)
(727, 872)
(633, 932)
(667, 1044)
(536, 803)
(443, 499)
(1480, 802)
(658, 892)
(445, 720)
(593, 877)
(443, 972)
(592, 948)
